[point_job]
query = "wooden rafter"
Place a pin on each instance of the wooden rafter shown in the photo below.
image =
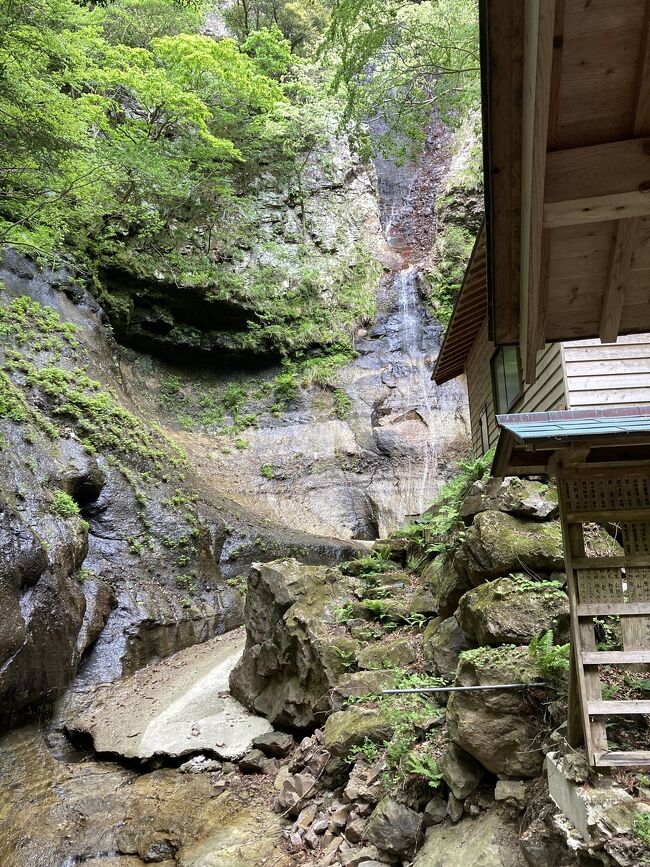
(602, 182)
(614, 298)
(539, 33)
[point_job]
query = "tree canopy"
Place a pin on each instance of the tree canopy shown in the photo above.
(397, 60)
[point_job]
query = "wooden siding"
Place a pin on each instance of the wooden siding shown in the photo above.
(548, 391)
(479, 390)
(610, 374)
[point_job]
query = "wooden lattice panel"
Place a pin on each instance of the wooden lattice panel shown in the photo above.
(609, 583)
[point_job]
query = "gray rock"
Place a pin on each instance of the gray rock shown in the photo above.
(510, 790)
(274, 744)
(394, 828)
(449, 584)
(513, 610)
(349, 728)
(291, 661)
(394, 653)
(253, 762)
(200, 765)
(498, 728)
(442, 643)
(361, 683)
(497, 544)
(460, 771)
(454, 808)
(524, 498)
(435, 811)
(488, 840)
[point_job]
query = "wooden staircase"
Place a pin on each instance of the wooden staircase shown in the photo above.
(604, 584)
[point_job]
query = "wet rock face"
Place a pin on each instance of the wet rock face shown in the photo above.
(291, 659)
(146, 561)
(42, 608)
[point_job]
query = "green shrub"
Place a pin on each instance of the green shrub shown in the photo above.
(266, 470)
(64, 505)
(641, 828)
(342, 404)
(552, 659)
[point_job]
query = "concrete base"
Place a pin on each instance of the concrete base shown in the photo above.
(597, 811)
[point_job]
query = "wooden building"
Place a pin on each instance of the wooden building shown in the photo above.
(565, 257)
(574, 374)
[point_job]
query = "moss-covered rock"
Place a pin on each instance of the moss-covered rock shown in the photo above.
(513, 610)
(499, 728)
(293, 656)
(350, 728)
(443, 641)
(395, 653)
(497, 544)
(524, 498)
(449, 585)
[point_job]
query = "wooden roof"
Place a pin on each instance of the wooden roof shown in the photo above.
(469, 314)
(567, 120)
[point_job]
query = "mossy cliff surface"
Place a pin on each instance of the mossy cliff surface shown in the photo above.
(114, 550)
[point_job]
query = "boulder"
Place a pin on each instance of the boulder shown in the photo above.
(394, 828)
(460, 771)
(277, 745)
(499, 728)
(488, 840)
(292, 659)
(253, 762)
(498, 544)
(395, 653)
(442, 643)
(42, 606)
(355, 684)
(524, 498)
(513, 610)
(350, 728)
(449, 584)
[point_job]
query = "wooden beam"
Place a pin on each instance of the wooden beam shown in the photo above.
(619, 266)
(504, 44)
(539, 31)
(616, 708)
(597, 183)
(642, 113)
(619, 759)
(615, 657)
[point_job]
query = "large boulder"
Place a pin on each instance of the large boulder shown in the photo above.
(442, 643)
(349, 728)
(500, 728)
(292, 657)
(449, 584)
(489, 840)
(524, 498)
(497, 544)
(513, 610)
(394, 828)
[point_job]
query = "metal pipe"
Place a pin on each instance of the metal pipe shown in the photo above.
(461, 688)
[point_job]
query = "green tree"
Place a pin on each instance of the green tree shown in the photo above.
(398, 59)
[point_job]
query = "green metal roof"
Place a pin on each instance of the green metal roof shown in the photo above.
(528, 441)
(571, 424)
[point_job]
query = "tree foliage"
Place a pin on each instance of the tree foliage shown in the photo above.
(398, 59)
